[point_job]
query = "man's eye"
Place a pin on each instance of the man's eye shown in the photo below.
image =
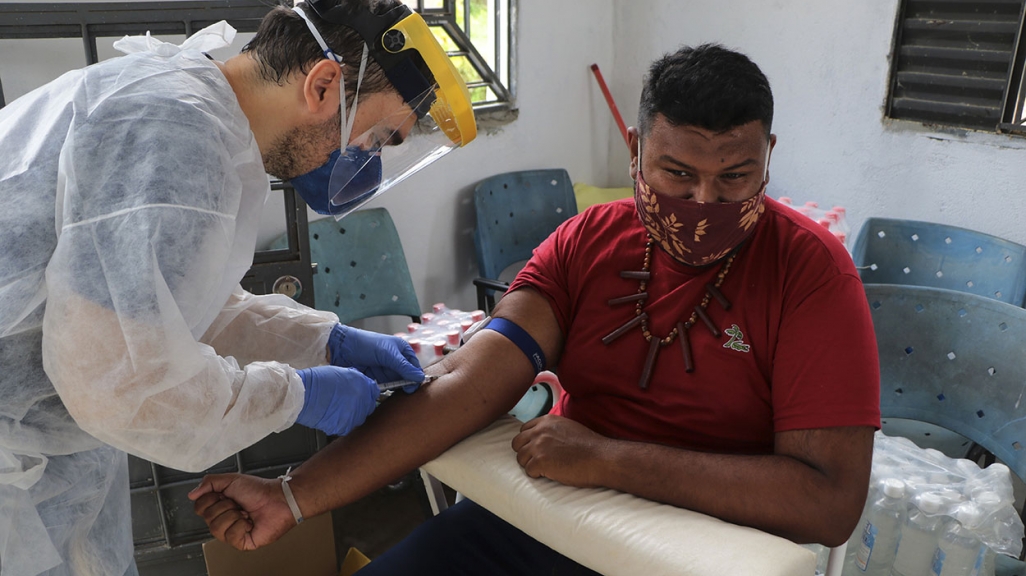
(734, 176)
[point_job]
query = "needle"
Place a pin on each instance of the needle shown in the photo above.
(386, 386)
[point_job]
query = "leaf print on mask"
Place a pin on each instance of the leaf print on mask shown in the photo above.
(700, 229)
(751, 209)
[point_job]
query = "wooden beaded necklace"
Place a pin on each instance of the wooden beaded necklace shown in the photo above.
(681, 329)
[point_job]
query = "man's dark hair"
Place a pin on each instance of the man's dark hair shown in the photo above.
(708, 86)
(283, 45)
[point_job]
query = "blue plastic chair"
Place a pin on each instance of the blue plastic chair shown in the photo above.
(361, 267)
(890, 251)
(954, 360)
(516, 211)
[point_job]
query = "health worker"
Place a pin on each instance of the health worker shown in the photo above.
(130, 199)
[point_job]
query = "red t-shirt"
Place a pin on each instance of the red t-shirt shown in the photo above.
(806, 356)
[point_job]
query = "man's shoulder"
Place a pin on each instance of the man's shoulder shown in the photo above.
(140, 87)
(803, 244)
(617, 214)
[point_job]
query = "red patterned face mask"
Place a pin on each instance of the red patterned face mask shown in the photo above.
(696, 233)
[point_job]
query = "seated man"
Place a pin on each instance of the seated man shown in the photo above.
(715, 347)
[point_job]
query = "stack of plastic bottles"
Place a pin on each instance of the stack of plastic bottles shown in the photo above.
(930, 515)
(438, 332)
(834, 219)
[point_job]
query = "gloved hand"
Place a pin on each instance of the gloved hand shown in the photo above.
(383, 358)
(337, 399)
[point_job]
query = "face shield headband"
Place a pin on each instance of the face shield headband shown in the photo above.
(430, 123)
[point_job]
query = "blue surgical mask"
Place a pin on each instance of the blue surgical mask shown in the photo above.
(343, 183)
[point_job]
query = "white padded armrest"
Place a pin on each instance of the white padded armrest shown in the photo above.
(608, 531)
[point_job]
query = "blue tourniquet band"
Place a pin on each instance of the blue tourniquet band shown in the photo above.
(521, 338)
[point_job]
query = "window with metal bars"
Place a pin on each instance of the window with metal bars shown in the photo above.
(478, 35)
(480, 38)
(959, 63)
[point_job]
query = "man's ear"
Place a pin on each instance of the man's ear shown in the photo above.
(769, 154)
(321, 89)
(632, 142)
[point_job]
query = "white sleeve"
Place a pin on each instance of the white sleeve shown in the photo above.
(148, 201)
(271, 327)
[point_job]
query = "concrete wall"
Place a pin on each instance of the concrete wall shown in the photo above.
(828, 63)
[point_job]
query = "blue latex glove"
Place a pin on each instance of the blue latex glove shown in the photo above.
(337, 399)
(383, 358)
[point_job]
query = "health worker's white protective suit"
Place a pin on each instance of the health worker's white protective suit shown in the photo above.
(130, 195)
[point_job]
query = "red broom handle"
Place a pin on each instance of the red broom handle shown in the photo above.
(611, 102)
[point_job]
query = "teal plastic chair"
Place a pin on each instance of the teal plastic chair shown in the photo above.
(954, 360)
(361, 267)
(889, 251)
(516, 211)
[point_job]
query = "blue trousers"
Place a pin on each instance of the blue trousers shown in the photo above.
(467, 540)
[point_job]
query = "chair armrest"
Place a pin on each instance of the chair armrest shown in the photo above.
(486, 288)
(608, 531)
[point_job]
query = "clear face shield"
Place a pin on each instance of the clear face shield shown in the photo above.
(385, 155)
(428, 125)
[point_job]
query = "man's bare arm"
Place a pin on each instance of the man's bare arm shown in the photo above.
(812, 489)
(478, 383)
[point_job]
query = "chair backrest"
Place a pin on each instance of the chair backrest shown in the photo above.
(515, 212)
(955, 360)
(361, 267)
(890, 251)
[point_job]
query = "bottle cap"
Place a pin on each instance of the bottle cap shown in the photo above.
(415, 344)
(440, 307)
(811, 204)
(832, 216)
(453, 336)
(477, 315)
(893, 488)
(427, 317)
(784, 200)
(824, 223)
(412, 327)
(930, 503)
(840, 209)
(969, 515)
(439, 347)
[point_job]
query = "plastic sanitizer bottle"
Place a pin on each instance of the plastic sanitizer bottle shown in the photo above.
(880, 530)
(919, 537)
(958, 548)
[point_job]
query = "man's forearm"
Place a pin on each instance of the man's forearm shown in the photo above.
(407, 431)
(775, 493)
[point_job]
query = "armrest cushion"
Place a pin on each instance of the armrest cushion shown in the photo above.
(608, 531)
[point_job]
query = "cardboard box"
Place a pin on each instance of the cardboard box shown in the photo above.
(306, 550)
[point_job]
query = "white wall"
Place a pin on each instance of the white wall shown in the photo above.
(828, 64)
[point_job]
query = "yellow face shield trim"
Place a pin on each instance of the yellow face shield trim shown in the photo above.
(452, 110)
